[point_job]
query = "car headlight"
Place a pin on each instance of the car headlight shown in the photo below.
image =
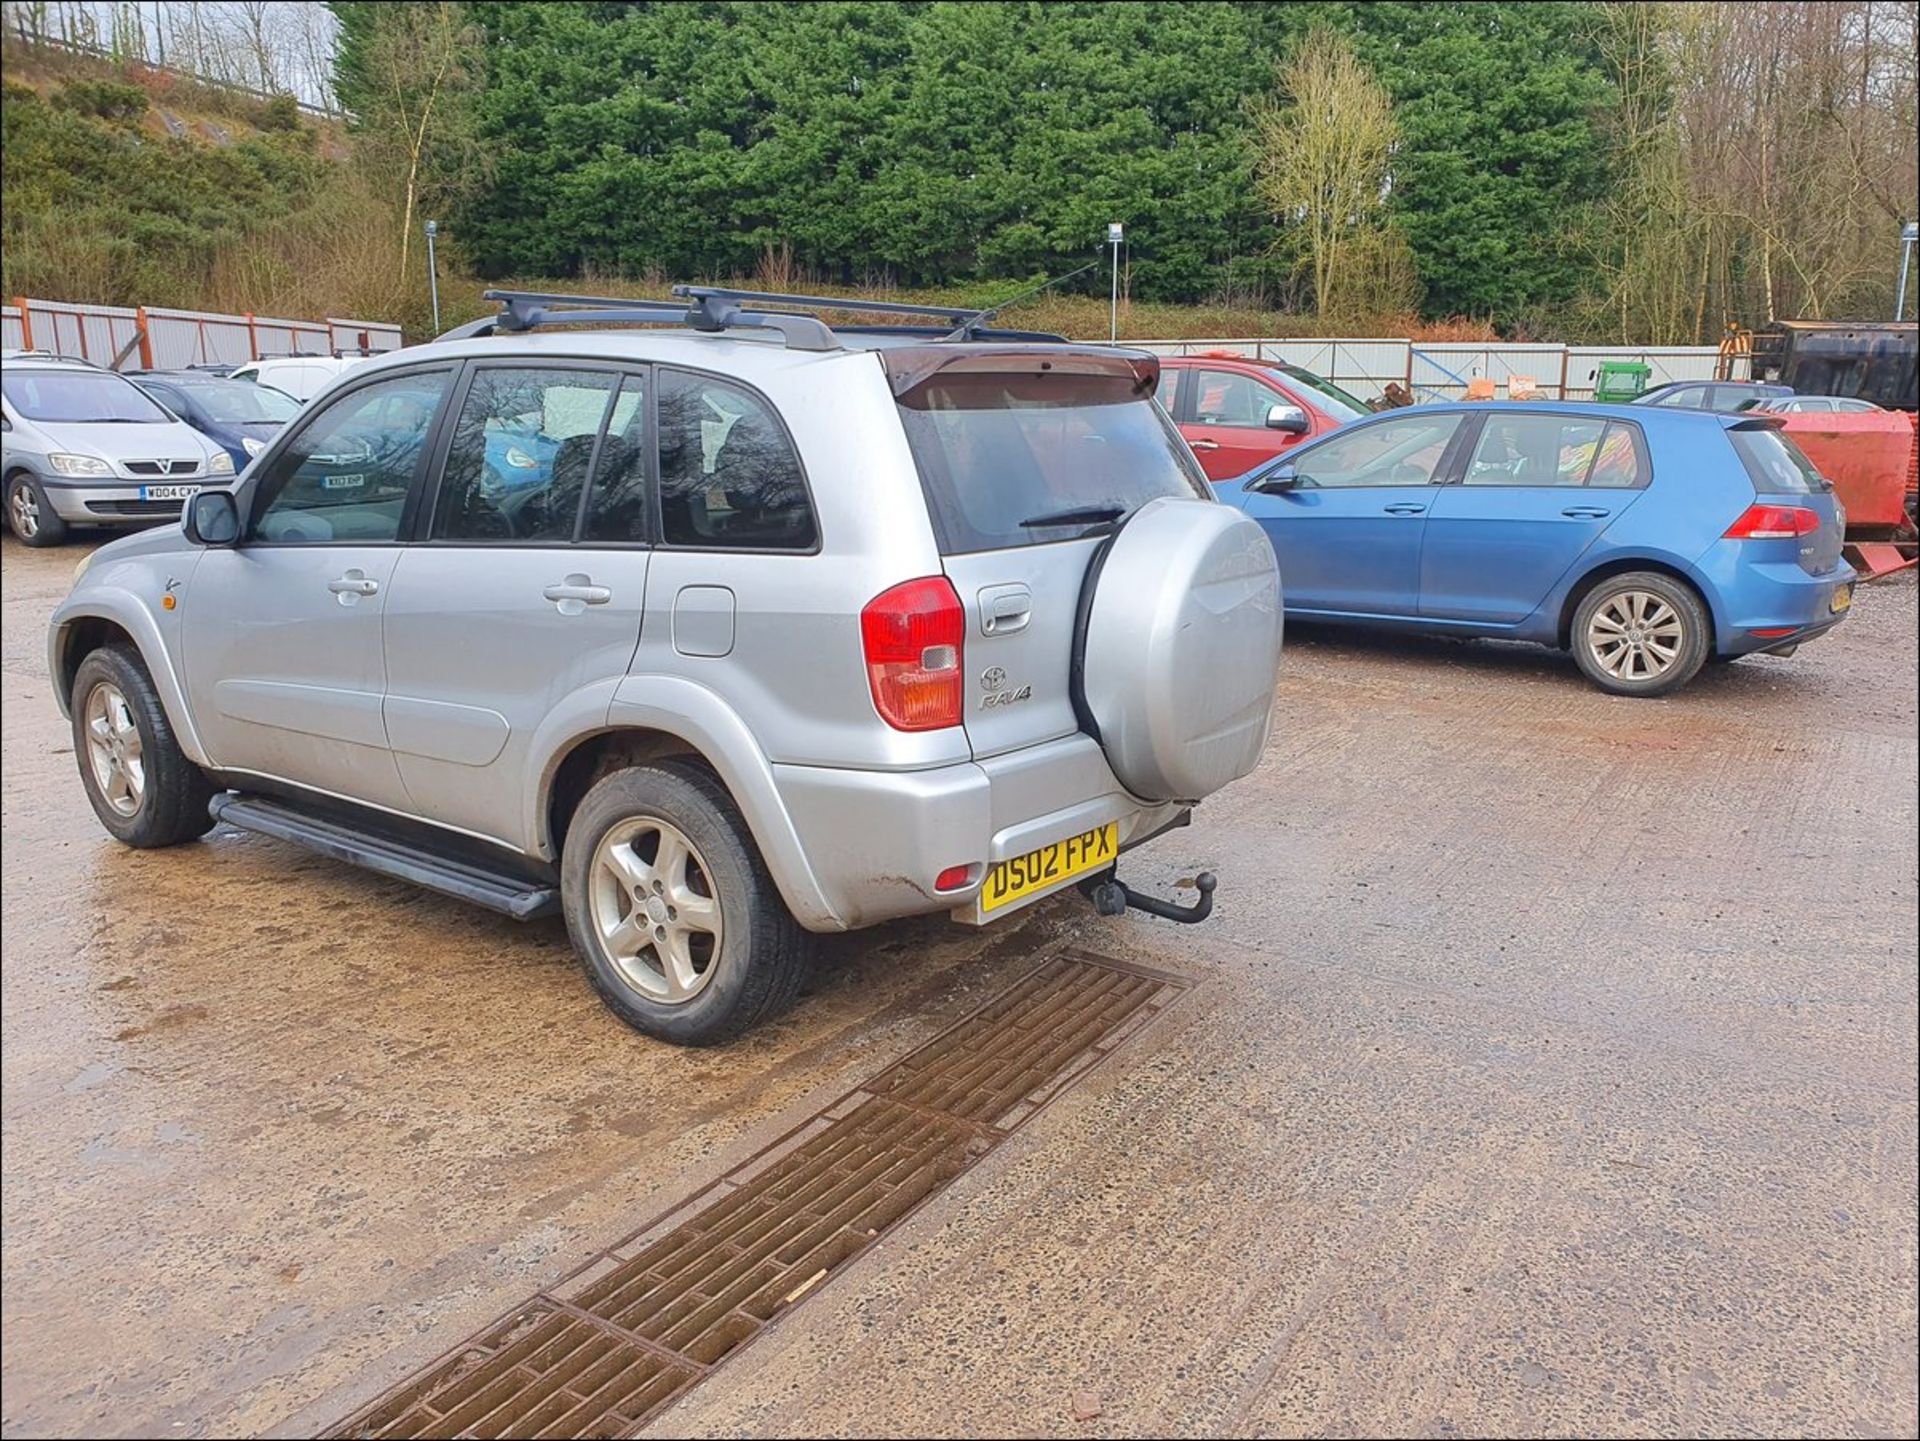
(220, 464)
(252, 446)
(520, 460)
(64, 464)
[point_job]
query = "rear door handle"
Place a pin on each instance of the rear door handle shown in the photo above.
(1405, 507)
(1005, 609)
(578, 588)
(1204, 444)
(354, 582)
(1586, 512)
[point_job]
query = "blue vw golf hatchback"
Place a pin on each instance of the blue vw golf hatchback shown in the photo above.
(1646, 541)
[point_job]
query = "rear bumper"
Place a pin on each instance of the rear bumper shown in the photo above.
(879, 839)
(1776, 597)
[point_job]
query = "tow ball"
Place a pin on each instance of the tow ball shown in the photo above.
(1111, 897)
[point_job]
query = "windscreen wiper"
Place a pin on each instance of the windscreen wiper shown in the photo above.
(1078, 515)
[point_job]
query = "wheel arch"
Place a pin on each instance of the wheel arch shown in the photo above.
(660, 717)
(108, 616)
(1624, 565)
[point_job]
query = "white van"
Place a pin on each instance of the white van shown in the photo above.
(301, 376)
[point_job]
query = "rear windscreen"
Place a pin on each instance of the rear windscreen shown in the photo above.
(996, 450)
(1776, 464)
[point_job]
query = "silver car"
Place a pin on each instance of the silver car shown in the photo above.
(84, 446)
(711, 638)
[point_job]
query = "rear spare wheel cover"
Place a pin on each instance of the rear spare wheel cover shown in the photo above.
(1180, 648)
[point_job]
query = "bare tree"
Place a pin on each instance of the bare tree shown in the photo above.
(1325, 144)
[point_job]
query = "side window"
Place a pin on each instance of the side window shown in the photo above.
(1535, 450)
(1816, 407)
(1225, 397)
(1393, 452)
(1687, 395)
(518, 463)
(1617, 466)
(729, 478)
(344, 478)
(1169, 392)
(617, 508)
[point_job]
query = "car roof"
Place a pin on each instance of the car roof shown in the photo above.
(1600, 410)
(741, 352)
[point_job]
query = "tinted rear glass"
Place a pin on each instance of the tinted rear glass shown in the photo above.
(997, 449)
(1777, 465)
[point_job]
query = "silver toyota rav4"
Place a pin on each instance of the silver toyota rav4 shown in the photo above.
(710, 636)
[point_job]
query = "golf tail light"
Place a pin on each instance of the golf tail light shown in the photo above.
(1774, 522)
(913, 636)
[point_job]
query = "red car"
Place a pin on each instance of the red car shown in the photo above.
(1238, 413)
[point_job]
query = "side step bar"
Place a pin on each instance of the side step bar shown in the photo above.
(509, 895)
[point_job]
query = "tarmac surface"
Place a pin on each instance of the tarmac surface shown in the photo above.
(1549, 1066)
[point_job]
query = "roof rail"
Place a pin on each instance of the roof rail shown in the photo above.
(528, 309)
(715, 308)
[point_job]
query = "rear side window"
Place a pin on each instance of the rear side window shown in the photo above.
(1559, 450)
(520, 455)
(1776, 465)
(729, 477)
(996, 449)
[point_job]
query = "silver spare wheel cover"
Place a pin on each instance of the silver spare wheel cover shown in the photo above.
(1180, 649)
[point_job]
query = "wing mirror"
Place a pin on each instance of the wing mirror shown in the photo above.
(1290, 418)
(212, 518)
(1283, 478)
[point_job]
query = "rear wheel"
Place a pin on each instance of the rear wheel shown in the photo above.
(29, 516)
(1641, 634)
(142, 786)
(681, 929)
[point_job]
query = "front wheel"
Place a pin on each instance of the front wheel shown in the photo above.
(29, 515)
(1641, 634)
(672, 911)
(142, 786)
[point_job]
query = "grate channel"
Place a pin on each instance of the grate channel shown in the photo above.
(639, 1323)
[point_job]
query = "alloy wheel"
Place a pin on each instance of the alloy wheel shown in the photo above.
(114, 750)
(26, 511)
(654, 911)
(1635, 636)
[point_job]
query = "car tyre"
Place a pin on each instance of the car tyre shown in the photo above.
(672, 911)
(1641, 634)
(140, 783)
(29, 516)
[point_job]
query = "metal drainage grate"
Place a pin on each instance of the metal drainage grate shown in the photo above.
(600, 1352)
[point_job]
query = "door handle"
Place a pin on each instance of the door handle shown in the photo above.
(354, 582)
(1405, 507)
(1005, 609)
(580, 591)
(1586, 512)
(1204, 444)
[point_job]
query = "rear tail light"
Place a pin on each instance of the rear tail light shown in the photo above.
(913, 635)
(1774, 522)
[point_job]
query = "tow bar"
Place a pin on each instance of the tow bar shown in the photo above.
(1111, 897)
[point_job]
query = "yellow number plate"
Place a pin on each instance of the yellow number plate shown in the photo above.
(1842, 598)
(1049, 867)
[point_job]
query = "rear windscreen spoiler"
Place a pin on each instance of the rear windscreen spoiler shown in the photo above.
(910, 367)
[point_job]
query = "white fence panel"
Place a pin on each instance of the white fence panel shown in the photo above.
(1667, 362)
(1442, 371)
(179, 338)
(351, 336)
(13, 335)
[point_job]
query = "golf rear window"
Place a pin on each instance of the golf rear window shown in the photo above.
(1776, 465)
(997, 449)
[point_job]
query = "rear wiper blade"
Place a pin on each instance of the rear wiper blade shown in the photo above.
(1078, 515)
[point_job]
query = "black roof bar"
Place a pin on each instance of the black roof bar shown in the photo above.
(716, 308)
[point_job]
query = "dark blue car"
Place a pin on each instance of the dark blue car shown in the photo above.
(1646, 540)
(239, 417)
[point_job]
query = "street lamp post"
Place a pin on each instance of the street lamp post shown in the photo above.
(433, 274)
(1909, 235)
(1115, 234)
